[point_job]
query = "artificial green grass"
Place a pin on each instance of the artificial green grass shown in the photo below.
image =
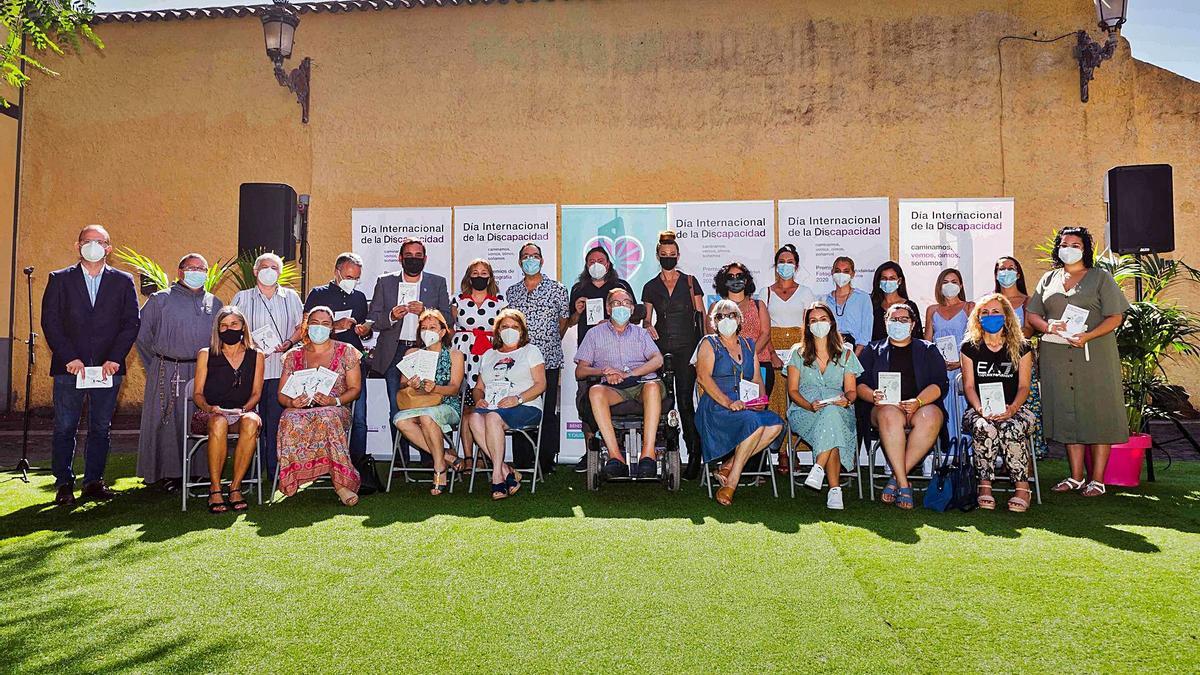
(631, 578)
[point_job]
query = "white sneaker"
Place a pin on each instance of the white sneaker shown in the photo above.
(834, 500)
(816, 477)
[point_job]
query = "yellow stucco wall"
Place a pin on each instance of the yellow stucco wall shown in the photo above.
(594, 102)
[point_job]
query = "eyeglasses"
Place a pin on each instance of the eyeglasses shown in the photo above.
(739, 275)
(622, 303)
(725, 315)
(102, 242)
(900, 319)
(194, 268)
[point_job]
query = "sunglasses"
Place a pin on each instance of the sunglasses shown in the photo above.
(739, 275)
(725, 315)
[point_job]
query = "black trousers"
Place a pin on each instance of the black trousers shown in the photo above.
(684, 387)
(522, 449)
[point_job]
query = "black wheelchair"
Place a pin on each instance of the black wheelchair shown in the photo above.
(627, 424)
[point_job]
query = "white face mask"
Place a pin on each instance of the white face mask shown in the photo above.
(841, 279)
(510, 336)
(727, 326)
(1069, 255)
(348, 285)
(819, 329)
(267, 276)
(950, 289)
(430, 337)
(597, 270)
(93, 251)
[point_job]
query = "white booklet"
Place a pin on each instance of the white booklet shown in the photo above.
(421, 363)
(948, 346)
(595, 311)
(344, 314)
(406, 293)
(309, 381)
(1076, 318)
(747, 391)
(266, 339)
(889, 384)
(93, 377)
(991, 398)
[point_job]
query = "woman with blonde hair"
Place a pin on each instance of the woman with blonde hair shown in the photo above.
(474, 315)
(512, 379)
(228, 385)
(995, 352)
(429, 409)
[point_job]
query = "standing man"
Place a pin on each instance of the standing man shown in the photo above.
(543, 301)
(342, 296)
(389, 316)
(89, 318)
(276, 311)
(176, 323)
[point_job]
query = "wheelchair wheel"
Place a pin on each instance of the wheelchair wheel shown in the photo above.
(593, 467)
(671, 470)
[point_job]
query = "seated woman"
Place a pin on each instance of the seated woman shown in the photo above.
(313, 429)
(995, 352)
(229, 380)
(729, 431)
(428, 409)
(508, 394)
(907, 428)
(821, 389)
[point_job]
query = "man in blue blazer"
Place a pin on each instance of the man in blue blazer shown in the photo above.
(389, 316)
(910, 425)
(90, 319)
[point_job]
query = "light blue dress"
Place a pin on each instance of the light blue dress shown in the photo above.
(955, 402)
(721, 429)
(831, 426)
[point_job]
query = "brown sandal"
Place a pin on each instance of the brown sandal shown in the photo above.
(986, 502)
(439, 487)
(1017, 504)
(725, 496)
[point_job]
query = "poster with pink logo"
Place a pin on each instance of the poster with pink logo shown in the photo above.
(629, 234)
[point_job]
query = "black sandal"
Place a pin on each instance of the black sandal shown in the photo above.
(499, 491)
(237, 505)
(217, 507)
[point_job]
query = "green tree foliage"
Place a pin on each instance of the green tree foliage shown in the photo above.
(56, 26)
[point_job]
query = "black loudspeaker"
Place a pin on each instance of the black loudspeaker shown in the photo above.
(1141, 208)
(266, 219)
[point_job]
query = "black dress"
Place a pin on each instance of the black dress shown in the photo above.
(675, 321)
(227, 387)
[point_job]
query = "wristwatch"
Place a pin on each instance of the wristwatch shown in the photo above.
(520, 399)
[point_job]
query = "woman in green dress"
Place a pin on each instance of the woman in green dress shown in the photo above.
(1082, 399)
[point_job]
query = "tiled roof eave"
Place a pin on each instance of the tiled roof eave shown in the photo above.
(237, 11)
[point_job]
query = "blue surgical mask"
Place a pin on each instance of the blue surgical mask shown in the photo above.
(1007, 278)
(194, 279)
(992, 323)
(318, 334)
(785, 270)
(531, 266)
(898, 330)
(621, 315)
(889, 285)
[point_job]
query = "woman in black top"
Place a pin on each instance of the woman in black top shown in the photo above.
(595, 281)
(229, 380)
(676, 302)
(887, 289)
(994, 351)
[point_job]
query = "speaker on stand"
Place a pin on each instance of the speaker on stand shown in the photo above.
(1141, 220)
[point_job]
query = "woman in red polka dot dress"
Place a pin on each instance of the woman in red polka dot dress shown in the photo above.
(475, 311)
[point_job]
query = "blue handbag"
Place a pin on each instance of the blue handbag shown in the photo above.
(953, 482)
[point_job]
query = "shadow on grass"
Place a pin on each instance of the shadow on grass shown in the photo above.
(1170, 503)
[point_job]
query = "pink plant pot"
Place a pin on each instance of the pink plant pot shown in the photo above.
(1125, 463)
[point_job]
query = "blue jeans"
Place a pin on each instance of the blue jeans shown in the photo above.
(68, 408)
(392, 376)
(271, 412)
(358, 425)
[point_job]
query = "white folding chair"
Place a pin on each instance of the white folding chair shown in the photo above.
(531, 433)
(319, 483)
(400, 452)
(874, 447)
(1003, 477)
(795, 447)
(766, 467)
(192, 443)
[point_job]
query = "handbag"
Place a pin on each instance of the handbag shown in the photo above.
(966, 481)
(953, 483)
(697, 317)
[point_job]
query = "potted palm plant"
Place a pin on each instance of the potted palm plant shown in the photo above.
(157, 275)
(1155, 331)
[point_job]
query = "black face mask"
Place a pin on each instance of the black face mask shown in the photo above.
(668, 263)
(412, 266)
(230, 336)
(480, 283)
(736, 285)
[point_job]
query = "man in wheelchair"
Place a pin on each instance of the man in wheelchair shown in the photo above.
(623, 361)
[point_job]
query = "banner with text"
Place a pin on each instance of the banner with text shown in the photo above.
(629, 234)
(966, 234)
(379, 232)
(712, 234)
(494, 233)
(823, 229)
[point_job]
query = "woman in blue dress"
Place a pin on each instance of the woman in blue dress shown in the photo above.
(822, 387)
(729, 431)
(947, 317)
